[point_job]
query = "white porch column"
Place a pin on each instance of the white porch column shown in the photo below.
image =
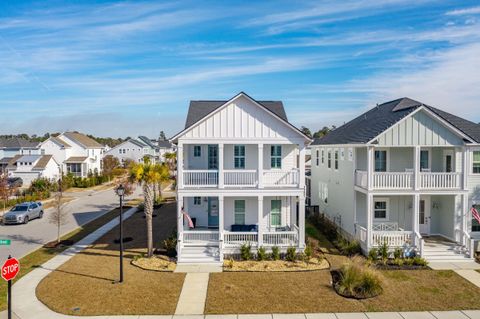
(465, 168)
(466, 215)
(416, 168)
(301, 221)
(179, 218)
(293, 211)
(260, 220)
(260, 166)
(370, 166)
(416, 214)
(221, 175)
(301, 166)
(369, 220)
(180, 165)
(221, 226)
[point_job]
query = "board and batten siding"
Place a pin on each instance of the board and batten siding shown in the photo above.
(420, 129)
(242, 119)
(339, 183)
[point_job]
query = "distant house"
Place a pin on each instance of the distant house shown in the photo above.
(133, 150)
(75, 152)
(31, 167)
(164, 147)
(9, 147)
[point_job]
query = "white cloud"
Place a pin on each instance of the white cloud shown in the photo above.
(466, 11)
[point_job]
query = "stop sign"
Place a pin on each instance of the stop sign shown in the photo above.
(10, 269)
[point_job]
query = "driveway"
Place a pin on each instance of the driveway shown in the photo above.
(86, 206)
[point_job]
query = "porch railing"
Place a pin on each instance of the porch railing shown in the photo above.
(199, 236)
(361, 234)
(396, 180)
(440, 180)
(386, 226)
(281, 239)
(275, 177)
(391, 238)
(237, 239)
(469, 244)
(200, 178)
(240, 178)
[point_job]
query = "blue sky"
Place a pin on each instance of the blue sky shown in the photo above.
(130, 68)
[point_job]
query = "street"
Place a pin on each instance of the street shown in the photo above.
(86, 206)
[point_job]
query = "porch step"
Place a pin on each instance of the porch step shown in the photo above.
(199, 255)
(444, 251)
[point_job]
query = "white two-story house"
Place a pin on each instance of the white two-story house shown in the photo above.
(402, 173)
(76, 153)
(241, 179)
(32, 167)
(133, 150)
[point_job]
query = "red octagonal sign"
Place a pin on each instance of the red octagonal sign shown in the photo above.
(10, 269)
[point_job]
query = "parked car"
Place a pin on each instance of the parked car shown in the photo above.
(23, 213)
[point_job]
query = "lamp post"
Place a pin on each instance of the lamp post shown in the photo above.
(121, 192)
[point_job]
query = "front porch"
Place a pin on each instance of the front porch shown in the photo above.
(225, 223)
(403, 221)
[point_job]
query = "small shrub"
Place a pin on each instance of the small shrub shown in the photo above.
(170, 245)
(384, 252)
(418, 261)
(351, 248)
(373, 254)
(397, 253)
(229, 263)
(308, 251)
(398, 262)
(275, 253)
(359, 281)
(246, 252)
(409, 261)
(261, 254)
(291, 254)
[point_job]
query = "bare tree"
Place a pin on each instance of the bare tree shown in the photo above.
(5, 190)
(59, 215)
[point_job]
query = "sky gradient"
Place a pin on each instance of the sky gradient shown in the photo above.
(122, 69)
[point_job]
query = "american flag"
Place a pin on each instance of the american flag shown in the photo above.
(189, 219)
(475, 214)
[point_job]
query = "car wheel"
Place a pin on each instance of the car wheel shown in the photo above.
(40, 215)
(25, 220)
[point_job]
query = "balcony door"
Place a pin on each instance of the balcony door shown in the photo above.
(424, 215)
(212, 156)
(448, 161)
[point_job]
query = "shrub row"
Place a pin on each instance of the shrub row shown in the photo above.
(291, 254)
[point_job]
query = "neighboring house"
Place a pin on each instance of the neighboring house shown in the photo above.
(241, 179)
(133, 150)
(402, 173)
(9, 147)
(75, 152)
(31, 167)
(164, 147)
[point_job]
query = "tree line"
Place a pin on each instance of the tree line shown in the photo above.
(318, 134)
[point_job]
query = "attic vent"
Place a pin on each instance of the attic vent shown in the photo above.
(406, 104)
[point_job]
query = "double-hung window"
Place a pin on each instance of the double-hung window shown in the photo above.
(336, 159)
(329, 159)
(476, 162)
(239, 156)
(424, 160)
(276, 156)
(197, 151)
(197, 200)
(323, 156)
(276, 212)
(380, 209)
(317, 157)
(239, 210)
(380, 161)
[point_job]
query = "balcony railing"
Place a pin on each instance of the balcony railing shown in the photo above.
(406, 180)
(200, 178)
(275, 177)
(240, 178)
(440, 180)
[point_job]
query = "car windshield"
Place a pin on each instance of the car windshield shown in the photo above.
(20, 208)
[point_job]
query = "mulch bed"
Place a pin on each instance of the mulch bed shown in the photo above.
(56, 244)
(275, 266)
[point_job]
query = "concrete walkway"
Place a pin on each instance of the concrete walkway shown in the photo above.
(194, 294)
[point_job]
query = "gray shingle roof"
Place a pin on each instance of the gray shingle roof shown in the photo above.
(16, 142)
(199, 109)
(372, 123)
(164, 144)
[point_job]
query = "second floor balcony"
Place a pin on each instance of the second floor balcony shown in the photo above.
(241, 166)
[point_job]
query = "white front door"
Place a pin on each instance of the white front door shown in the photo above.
(424, 215)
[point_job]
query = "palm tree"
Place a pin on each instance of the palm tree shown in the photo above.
(148, 175)
(171, 160)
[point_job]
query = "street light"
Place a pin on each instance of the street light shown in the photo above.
(120, 191)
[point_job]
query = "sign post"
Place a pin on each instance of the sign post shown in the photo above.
(9, 271)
